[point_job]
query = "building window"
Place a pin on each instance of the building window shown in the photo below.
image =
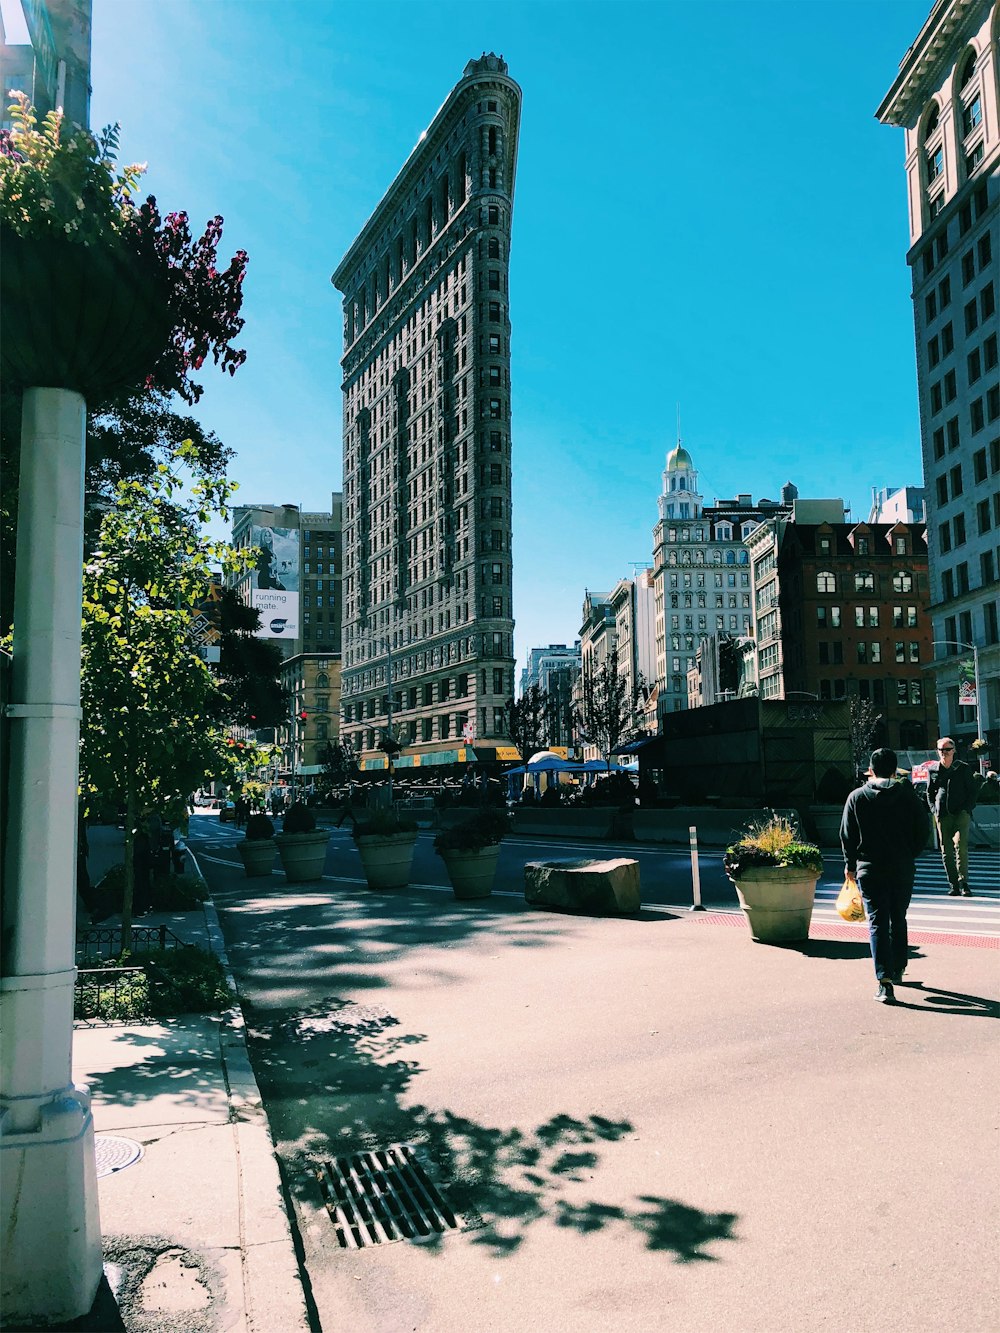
(935, 164)
(971, 318)
(938, 441)
(494, 280)
(987, 301)
(977, 416)
(956, 480)
(968, 267)
(948, 339)
(826, 582)
(902, 581)
(974, 365)
(936, 400)
(864, 581)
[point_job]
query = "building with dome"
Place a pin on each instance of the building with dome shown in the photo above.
(701, 571)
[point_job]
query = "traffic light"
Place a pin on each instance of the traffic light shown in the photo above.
(303, 715)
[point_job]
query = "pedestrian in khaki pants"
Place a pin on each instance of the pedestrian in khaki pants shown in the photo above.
(951, 794)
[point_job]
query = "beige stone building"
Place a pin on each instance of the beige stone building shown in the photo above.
(428, 621)
(945, 99)
(312, 682)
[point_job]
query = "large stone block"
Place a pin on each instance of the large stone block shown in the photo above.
(600, 888)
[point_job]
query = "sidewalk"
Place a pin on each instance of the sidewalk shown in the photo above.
(196, 1236)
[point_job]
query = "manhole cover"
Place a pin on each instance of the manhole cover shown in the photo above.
(384, 1195)
(114, 1154)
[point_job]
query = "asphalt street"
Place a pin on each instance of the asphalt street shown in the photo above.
(643, 1123)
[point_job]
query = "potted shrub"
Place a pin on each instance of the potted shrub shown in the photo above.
(385, 844)
(258, 849)
(775, 876)
(301, 846)
(470, 852)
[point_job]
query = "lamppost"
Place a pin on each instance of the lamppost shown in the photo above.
(390, 746)
(960, 643)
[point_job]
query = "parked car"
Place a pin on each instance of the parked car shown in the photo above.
(227, 812)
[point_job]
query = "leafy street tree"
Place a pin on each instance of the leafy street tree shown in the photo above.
(610, 715)
(340, 763)
(152, 729)
(865, 727)
(250, 691)
(527, 720)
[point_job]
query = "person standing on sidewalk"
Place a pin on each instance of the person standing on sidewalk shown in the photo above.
(883, 829)
(951, 794)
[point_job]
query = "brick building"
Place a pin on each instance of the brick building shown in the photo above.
(852, 621)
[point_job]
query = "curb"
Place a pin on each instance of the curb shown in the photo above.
(272, 1284)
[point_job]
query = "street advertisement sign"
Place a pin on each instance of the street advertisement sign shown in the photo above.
(205, 629)
(274, 584)
(967, 685)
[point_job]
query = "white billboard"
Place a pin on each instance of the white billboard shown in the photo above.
(279, 613)
(274, 582)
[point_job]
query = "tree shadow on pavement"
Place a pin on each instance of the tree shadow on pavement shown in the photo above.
(342, 1064)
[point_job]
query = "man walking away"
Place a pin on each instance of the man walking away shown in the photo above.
(951, 794)
(884, 828)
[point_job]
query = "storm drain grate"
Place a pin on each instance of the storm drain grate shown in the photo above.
(384, 1195)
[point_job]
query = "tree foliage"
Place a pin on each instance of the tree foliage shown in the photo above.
(611, 715)
(250, 691)
(528, 720)
(340, 763)
(152, 729)
(865, 728)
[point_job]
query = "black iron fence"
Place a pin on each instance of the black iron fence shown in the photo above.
(106, 941)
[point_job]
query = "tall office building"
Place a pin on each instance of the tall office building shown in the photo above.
(945, 98)
(427, 485)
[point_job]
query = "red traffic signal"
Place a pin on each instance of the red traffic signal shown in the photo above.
(303, 715)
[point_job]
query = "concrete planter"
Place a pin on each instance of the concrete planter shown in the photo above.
(387, 858)
(778, 902)
(303, 855)
(94, 319)
(257, 855)
(472, 873)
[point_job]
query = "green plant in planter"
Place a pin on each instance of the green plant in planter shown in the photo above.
(298, 818)
(259, 828)
(486, 828)
(772, 842)
(382, 823)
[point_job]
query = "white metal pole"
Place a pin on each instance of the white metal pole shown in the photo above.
(51, 1259)
(696, 905)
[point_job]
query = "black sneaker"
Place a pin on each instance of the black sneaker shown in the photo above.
(954, 891)
(885, 994)
(963, 884)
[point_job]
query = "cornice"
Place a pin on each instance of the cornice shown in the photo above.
(935, 43)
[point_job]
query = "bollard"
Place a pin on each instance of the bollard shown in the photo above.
(696, 905)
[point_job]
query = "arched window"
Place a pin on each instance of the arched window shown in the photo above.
(323, 681)
(932, 121)
(730, 557)
(826, 582)
(864, 581)
(968, 69)
(744, 558)
(902, 581)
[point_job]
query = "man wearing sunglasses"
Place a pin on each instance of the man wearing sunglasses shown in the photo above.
(951, 794)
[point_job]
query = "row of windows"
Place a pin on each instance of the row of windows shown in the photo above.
(864, 581)
(903, 617)
(937, 247)
(909, 693)
(720, 532)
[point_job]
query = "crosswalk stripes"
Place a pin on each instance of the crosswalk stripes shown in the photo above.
(931, 908)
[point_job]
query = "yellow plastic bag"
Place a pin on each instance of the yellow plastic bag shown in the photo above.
(850, 904)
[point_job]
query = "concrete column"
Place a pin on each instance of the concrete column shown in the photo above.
(51, 1260)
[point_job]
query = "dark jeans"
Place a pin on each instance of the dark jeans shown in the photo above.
(887, 894)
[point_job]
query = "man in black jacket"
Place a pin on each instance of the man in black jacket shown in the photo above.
(951, 794)
(884, 827)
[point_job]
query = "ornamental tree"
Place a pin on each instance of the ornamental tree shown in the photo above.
(610, 715)
(527, 720)
(152, 731)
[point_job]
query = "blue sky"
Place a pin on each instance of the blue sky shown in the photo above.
(706, 213)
